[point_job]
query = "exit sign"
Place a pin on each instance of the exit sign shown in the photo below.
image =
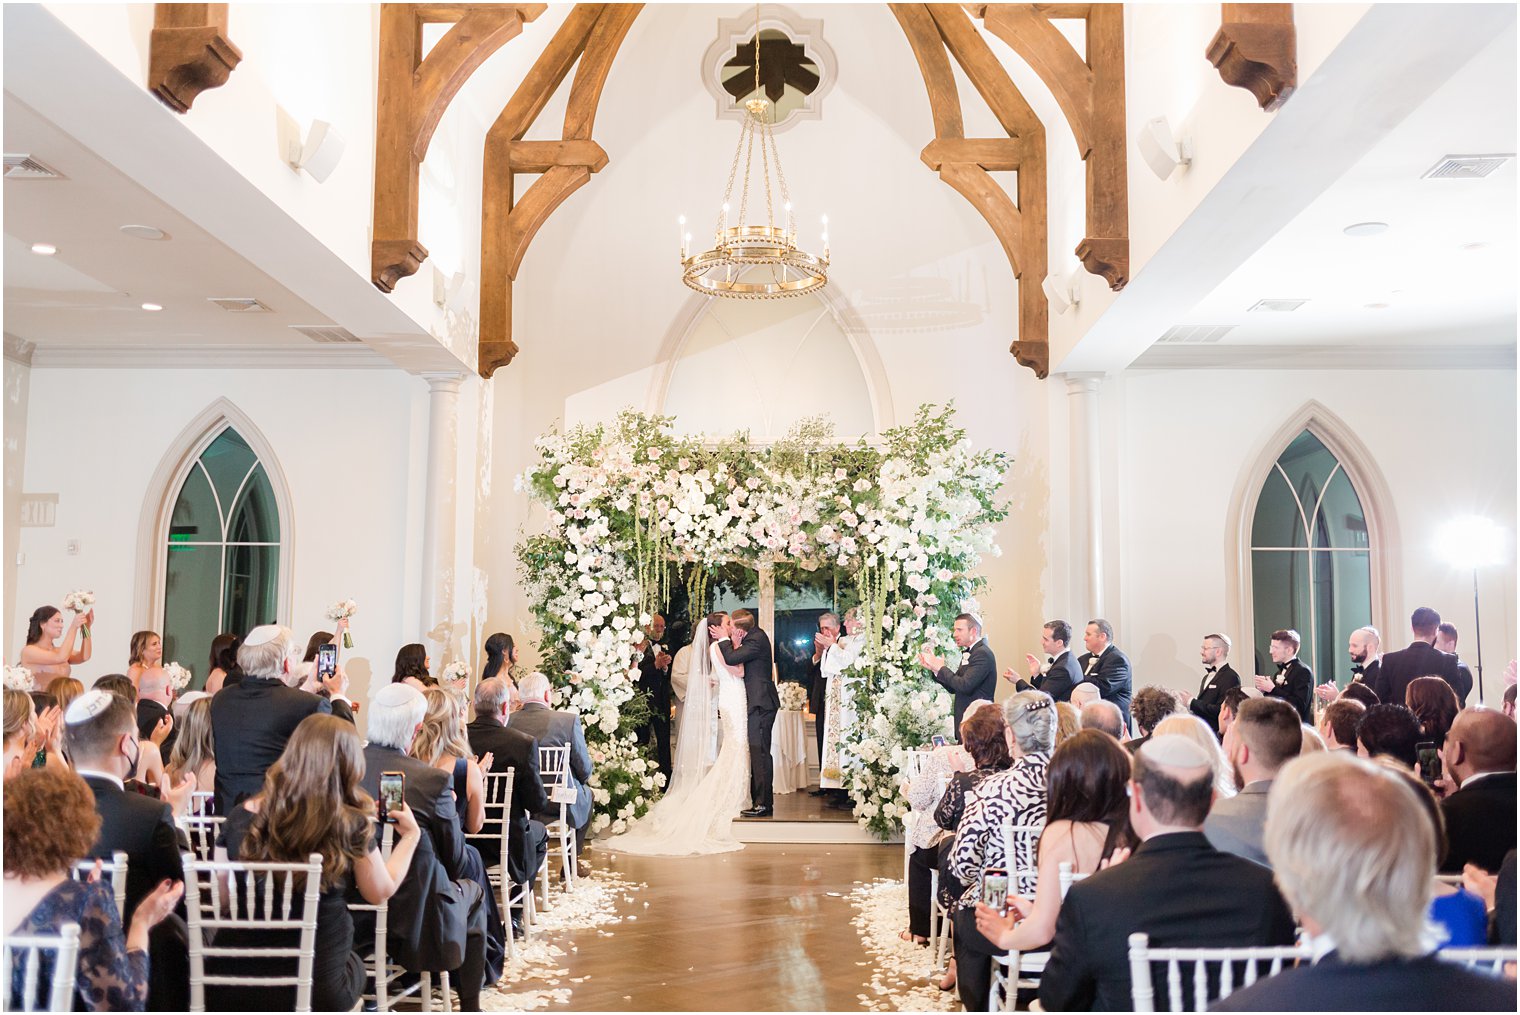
(39, 510)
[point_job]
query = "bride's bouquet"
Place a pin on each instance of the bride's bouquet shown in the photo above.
(179, 677)
(342, 610)
(456, 674)
(79, 601)
(18, 678)
(793, 695)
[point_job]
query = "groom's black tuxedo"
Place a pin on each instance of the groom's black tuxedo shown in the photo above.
(760, 688)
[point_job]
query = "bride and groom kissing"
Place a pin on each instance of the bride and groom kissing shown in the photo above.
(744, 645)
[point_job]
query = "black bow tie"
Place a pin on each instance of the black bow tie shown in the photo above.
(1283, 666)
(1210, 669)
(1358, 668)
(1050, 660)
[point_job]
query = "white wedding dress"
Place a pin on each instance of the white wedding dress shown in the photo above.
(710, 782)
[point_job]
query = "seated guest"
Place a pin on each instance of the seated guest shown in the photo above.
(1085, 694)
(1151, 705)
(1509, 701)
(439, 912)
(50, 822)
(1459, 917)
(1196, 730)
(1016, 795)
(30, 739)
(1312, 741)
(1105, 716)
(1338, 723)
(1068, 722)
(1498, 894)
(1434, 705)
(146, 653)
(223, 670)
(1229, 706)
(940, 771)
(556, 729)
(312, 802)
(154, 698)
(150, 769)
(511, 750)
(441, 743)
(251, 723)
(412, 665)
(1176, 888)
(194, 751)
(1264, 737)
(1086, 825)
(1389, 733)
(1362, 693)
(1355, 858)
(64, 690)
(1479, 758)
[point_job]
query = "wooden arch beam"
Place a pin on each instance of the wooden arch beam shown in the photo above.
(588, 40)
(414, 92)
(1256, 48)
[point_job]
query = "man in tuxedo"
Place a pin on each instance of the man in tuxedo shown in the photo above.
(440, 910)
(557, 729)
(1219, 678)
(1479, 758)
(975, 677)
(1264, 737)
(1294, 682)
(1059, 674)
(1364, 647)
(754, 654)
(1420, 659)
(154, 700)
(1176, 888)
(251, 722)
(1106, 666)
(1369, 903)
(511, 750)
(654, 681)
(1446, 641)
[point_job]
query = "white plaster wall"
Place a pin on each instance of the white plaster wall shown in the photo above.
(17, 385)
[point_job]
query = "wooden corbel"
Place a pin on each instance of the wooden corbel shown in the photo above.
(189, 52)
(1256, 48)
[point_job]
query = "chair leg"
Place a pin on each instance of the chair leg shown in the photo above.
(425, 995)
(448, 999)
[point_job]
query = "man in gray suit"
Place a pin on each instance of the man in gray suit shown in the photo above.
(1264, 737)
(556, 729)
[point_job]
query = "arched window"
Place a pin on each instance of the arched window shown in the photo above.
(221, 552)
(1311, 557)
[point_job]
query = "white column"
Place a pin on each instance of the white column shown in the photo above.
(1086, 550)
(437, 616)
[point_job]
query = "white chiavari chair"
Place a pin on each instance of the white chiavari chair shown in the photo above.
(1216, 972)
(1482, 960)
(554, 769)
(1020, 843)
(115, 870)
(26, 951)
(496, 830)
(201, 802)
(1068, 878)
(380, 970)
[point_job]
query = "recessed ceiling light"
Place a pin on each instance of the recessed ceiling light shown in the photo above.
(45, 249)
(145, 232)
(151, 306)
(1365, 228)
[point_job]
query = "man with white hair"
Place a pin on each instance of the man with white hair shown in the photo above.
(1085, 694)
(1354, 853)
(1176, 888)
(1105, 716)
(511, 750)
(556, 729)
(252, 720)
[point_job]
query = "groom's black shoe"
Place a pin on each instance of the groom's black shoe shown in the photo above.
(756, 812)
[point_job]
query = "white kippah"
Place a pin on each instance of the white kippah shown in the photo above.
(87, 706)
(396, 695)
(262, 635)
(1175, 750)
(187, 699)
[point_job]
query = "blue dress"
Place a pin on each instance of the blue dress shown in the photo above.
(110, 978)
(1463, 917)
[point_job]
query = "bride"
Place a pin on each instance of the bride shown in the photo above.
(710, 783)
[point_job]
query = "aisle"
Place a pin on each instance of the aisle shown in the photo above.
(768, 928)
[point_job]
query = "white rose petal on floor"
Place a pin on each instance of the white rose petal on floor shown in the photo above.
(901, 979)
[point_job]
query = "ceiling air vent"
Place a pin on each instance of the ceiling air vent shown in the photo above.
(24, 167)
(239, 304)
(327, 334)
(1277, 306)
(1196, 334)
(1465, 167)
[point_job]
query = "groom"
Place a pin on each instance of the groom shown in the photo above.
(744, 644)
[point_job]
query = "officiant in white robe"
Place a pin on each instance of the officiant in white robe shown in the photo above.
(839, 701)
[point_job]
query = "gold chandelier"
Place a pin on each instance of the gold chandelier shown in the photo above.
(755, 262)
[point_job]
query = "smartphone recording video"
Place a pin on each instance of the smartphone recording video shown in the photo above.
(392, 794)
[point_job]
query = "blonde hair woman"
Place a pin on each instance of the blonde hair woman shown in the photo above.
(64, 690)
(147, 651)
(31, 741)
(1196, 730)
(194, 751)
(441, 743)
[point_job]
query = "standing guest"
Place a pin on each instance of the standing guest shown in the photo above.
(1338, 723)
(1265, 737)
(1479, 758)
(222, 668)
(1015, 796)
(1294, 682)
(49, 825)
(556, 729)
(43, 655)
(154, 698)
(1367, 906)
(975, 675)
(1107, 667)
(64, 690)
(511, 750)
(501, 658)
(441, 743)
(1151, 705)
(1420, 659)
(1196, 730)
(654, 681)
(146, 652)
(1068, 722)
(252, 722)
(1085, 694)
(1229, 707)
(1105, 716)
(1434, 704)
(1390, 733)
(1059, 674)
(1446, 641)
(1366, 668)
(194, 751)
(312, 802)
(1176, 888)
(413, 666)
(1219, 678)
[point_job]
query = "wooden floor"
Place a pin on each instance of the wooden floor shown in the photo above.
(802, 806)
(765, 929)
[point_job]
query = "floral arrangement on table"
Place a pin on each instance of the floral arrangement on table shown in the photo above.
(179, 677)
(80, 601)
(633, 508)
(793, 696)
(18, 678)
(343, 609)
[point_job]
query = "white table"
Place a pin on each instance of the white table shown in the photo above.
(789, 752)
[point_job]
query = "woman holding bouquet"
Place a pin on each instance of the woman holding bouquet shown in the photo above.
(43, 655)
(147, 651)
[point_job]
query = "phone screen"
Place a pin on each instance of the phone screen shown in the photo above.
(939, 741)
(1429, 761)
(327, 661)
(995, 889)
(392, 793)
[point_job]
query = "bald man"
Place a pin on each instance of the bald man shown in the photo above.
(1479, 757)
(154, 698)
